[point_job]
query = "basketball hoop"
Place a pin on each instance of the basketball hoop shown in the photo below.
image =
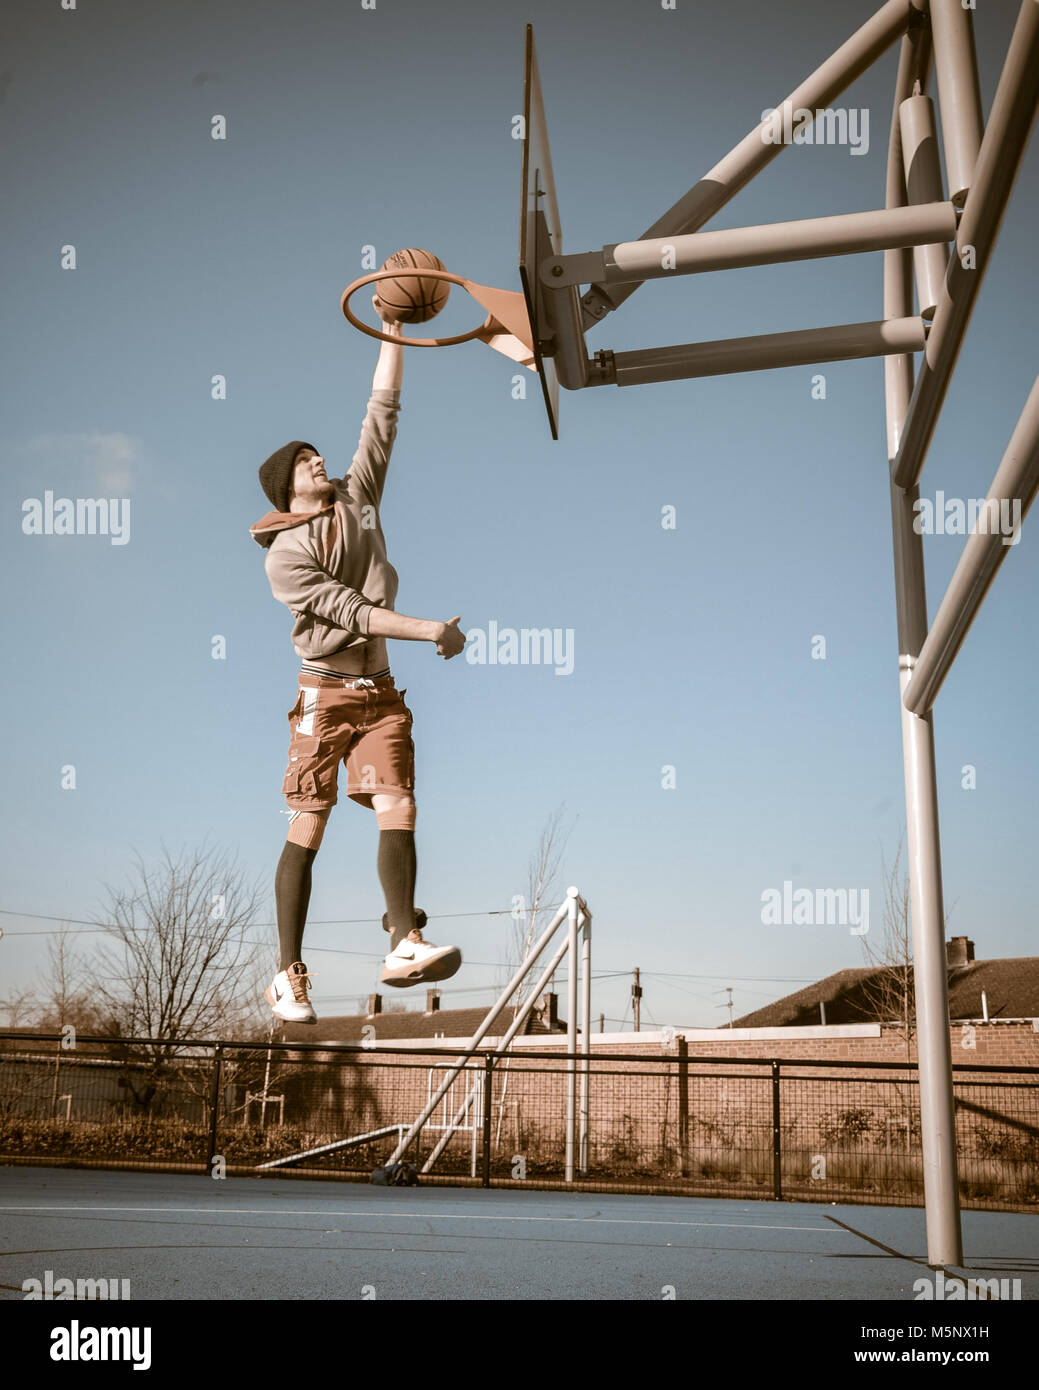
(420, 272)
(506, 327)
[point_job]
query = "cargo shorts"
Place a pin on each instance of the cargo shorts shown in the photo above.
(366, 726)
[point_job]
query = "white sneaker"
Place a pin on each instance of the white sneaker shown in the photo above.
(287, 995)
(415, 961)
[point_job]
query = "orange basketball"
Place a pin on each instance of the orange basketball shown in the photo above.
(412, 298)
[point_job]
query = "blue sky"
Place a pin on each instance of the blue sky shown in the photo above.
(349, 128)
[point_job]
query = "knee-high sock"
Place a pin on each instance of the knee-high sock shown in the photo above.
(292, 897)
(397, 876)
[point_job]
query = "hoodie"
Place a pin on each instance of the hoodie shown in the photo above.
(329, 567)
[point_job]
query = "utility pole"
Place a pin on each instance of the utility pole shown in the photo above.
(728, 990)
(636, 996)
(602, 1023)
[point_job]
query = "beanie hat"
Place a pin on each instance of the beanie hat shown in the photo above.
(276, 473)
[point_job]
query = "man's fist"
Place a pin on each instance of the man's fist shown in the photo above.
(389, 325)
(450, 640)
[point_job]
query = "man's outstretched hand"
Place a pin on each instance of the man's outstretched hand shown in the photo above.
(450, 640)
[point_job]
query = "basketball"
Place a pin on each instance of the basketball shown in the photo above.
(412, 298)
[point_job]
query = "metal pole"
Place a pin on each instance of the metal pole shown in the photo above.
(586, 1038)
(777, 1137)
(924, 185)
(1002, 148)
(266, 1081)
(1015, 485)
(959, 98)
(488, 1081)
(214, 1105)
(756, 149)
(636, 1000)
(771, 243)
(571, 1035)
(937, 1106)
(840, 343)
(683, 1107)
(484, 1028)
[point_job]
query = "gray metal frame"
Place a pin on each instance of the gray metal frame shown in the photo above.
(914, 231)
(577, 915)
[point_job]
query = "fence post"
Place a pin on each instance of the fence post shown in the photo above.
(214, 1106)
(777, 1150)
(683, 1108)
(488, 1074)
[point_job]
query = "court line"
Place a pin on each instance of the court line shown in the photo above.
(435, 1216)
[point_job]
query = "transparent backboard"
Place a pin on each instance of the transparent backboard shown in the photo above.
(540, 232)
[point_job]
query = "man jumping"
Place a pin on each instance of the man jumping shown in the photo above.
(326, 561)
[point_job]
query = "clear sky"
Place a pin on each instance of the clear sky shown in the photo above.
(392, 127)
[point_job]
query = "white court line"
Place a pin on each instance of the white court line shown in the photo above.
(441, 1216)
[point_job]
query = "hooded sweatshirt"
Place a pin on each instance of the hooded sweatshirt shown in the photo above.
(329, 567)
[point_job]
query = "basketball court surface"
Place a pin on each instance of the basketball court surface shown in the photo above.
(177, 1236)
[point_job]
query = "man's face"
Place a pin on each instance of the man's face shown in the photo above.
(310, 483)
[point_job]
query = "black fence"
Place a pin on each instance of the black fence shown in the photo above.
(673, 1123)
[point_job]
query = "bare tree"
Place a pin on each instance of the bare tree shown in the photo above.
(20, 1009)
(888, 991)
(178, 963)
(68, 996)
(543, 890)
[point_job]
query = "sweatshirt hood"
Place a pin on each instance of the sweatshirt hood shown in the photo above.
(265, 531)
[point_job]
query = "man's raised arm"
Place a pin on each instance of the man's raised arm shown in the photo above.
(379, 430)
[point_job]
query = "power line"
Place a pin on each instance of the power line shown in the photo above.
(322, 922)
(93, 927)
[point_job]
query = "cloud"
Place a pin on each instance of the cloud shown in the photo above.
(109, 464)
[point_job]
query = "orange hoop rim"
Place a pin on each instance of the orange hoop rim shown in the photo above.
(418, 272)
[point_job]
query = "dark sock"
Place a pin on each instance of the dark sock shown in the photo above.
(292, 897)
(397, 876)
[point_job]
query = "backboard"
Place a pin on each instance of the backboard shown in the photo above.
(540, 232)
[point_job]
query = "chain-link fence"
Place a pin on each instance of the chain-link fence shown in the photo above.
(675, 1123)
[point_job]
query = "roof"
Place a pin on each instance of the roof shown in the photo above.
(449, 1023)
(1011, 988)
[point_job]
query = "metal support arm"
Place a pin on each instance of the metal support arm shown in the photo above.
(768, 244)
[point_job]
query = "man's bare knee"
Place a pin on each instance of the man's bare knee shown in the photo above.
(306, 828)
(397, 815)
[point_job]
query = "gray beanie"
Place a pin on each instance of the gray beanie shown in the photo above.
(276, 473)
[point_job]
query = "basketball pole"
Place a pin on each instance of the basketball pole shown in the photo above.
(927, 914)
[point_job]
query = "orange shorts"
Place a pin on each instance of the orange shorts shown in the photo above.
(367, 727)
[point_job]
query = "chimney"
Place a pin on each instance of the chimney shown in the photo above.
(959, 951)
(548, 1009)
(432, 1001)
(374, 1004)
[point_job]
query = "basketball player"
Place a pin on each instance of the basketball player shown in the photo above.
(326, 561)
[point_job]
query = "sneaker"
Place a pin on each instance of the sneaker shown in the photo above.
(287, 995)
(415, 961)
